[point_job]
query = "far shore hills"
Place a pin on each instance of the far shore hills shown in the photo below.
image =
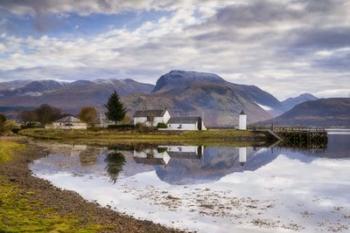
(218, 101)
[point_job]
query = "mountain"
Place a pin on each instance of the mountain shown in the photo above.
(34, 88)
(332, 112)
(70, 96)
(11, 85)
(293, 101)
(207, 95)
(185, 93)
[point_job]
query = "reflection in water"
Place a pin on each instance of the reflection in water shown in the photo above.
(88, 155)
(178, 165)
(212, 188)
(114, 164)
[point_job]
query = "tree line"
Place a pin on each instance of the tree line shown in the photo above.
(46, 114)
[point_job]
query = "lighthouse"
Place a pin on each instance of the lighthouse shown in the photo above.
(242, 121)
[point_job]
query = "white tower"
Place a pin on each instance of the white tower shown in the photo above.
(242, 121)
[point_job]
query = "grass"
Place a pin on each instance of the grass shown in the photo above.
(7, 148)
(160, 137)
(19, 213)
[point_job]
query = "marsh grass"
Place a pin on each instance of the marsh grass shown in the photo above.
(20, 213)
(208, 137)
(7, 149)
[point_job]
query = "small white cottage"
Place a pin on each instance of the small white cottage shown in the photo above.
(151, 117)
(186, 123)
(68, 122)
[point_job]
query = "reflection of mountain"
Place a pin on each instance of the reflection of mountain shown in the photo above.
(215, 163)
(338, 147)
(175, 164)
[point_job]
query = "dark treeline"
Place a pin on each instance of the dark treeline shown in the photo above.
(44, 114)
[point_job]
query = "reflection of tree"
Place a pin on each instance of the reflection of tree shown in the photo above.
(89, 156)
(115, 162)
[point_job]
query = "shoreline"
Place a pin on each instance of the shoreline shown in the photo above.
(111, 137)
(16, 175)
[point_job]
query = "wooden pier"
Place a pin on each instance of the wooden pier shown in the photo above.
(302, 137)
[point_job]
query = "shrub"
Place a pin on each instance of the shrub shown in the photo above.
(122, 127)
(32, 124)
(7, 127)
(162, 126)
(142, 128)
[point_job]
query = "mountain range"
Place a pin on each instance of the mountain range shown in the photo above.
(208, 95)
(332, 112)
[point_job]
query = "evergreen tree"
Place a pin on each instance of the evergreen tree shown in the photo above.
(115, 109)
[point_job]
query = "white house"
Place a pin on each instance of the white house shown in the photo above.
(68, 122)
(151, 117)
(242, 121)
(185, 123)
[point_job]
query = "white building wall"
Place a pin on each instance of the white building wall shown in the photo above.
(57, 125)
(242, 122)
(182, 126)
(166, 117)
(143, 120)
(203, 126)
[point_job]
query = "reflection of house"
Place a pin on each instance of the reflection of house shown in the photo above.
(152, 157)
(186, 123)
(151, 117)
(68, 122)
(163, 154)
(214, 164)
(185, 152)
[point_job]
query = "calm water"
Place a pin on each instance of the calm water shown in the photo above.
(212, 189)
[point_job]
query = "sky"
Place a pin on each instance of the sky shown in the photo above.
(286, 47)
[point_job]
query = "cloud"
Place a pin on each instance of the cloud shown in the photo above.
(314, 39)
(82, 7)
(286, 46)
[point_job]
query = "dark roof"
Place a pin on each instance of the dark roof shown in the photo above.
(69, 119)
(150, 113)
(242, 113)
(183, 120)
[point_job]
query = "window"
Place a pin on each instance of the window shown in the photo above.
(150, 118)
